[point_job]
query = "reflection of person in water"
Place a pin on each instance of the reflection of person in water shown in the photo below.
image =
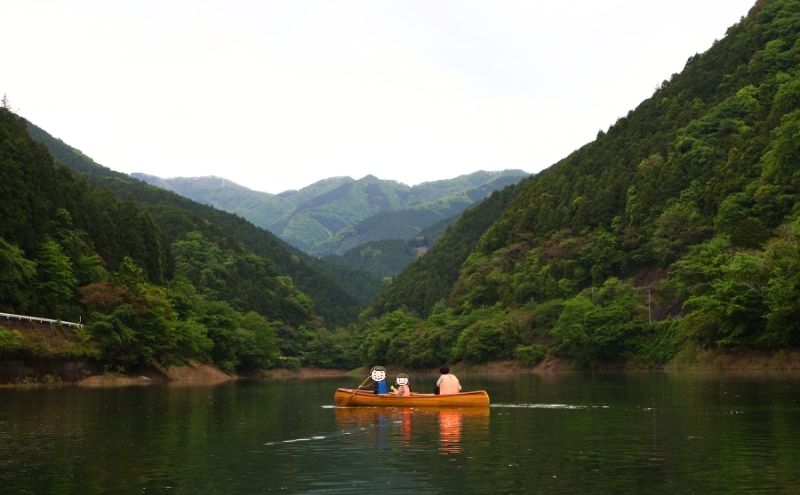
(405, 418)
(450, 431)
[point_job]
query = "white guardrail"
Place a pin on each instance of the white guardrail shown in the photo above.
(40, 320)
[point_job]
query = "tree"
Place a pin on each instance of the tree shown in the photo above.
(16, 276)
(55, 281)
(594, 328)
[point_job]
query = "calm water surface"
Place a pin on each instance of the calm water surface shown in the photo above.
(575, 433)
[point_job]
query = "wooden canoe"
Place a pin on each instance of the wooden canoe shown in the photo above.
(355, 398)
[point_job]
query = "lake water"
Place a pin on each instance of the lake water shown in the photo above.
(572, 433)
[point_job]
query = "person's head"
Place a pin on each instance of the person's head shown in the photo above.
(401, 379)
(378, 373)
(444, 370)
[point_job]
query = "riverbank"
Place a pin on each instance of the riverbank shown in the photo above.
(698, 359)
(303, 373)
(690, 359)
(57, 371)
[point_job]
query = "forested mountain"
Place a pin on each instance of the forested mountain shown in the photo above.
(386, 258)
(334, 215)
(430, 279)
(176, 216)
(157, 279)
(677, 227)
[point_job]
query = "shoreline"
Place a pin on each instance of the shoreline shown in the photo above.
(688, 361)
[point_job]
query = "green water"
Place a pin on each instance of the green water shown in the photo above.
(576, 433)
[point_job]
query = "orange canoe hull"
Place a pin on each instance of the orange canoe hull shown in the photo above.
(357, 398)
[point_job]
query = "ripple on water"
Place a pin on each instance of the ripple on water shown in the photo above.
(549, 406)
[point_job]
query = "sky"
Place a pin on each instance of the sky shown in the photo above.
(277, 94)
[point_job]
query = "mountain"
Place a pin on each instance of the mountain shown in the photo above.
(157, 282)
(386, 258)
(258, 207)
(334, 215)
(177, 217)
(429, 279)
(677, 228)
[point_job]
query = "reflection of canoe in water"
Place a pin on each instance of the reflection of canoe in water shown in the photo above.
(416, 424)
(361, 416)
(352, 398)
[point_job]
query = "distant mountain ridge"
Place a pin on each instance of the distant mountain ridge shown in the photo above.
(334, 215)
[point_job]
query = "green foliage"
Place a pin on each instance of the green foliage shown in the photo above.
(55, 278)
(158, 279)
(10, 340)
(783, 295)
(489, 338)
(660, 342)
(262, 351)
(332, 349)
(680, 225)
(165, 218)
(596, 325)
(240, 342)
(430, 278)
(16, 277)
(115, 339)
(530, 355)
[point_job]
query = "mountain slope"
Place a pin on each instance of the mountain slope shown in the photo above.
(72, 250)
(679, 226)
(408, 223)
(334, 215)
(176, 216)
(430, 278)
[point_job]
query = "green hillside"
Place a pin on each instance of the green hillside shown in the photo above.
(178, 218)
(676, 228)
(447, 200)
(154, 284)
(337, 214)
(386, 258)
(262, 209)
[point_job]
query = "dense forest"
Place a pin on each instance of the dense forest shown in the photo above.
(677, 228)
(158, 279)
(176, 216)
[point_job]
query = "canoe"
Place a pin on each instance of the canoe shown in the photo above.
(355, 398)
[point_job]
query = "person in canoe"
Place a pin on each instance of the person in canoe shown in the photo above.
(403, 389)
(447, 384)
(378, 375)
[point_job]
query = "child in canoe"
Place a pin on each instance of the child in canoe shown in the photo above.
(403, 389)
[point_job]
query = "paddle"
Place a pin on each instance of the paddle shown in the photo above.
(375, 372)
(362, 384)
(359, 387)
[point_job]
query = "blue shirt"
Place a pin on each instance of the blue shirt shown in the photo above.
(381, 387)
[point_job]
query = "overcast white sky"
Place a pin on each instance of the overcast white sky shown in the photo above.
(277, 94)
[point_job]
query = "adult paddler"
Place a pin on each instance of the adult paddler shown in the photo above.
(378, 375)
(447, 384)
